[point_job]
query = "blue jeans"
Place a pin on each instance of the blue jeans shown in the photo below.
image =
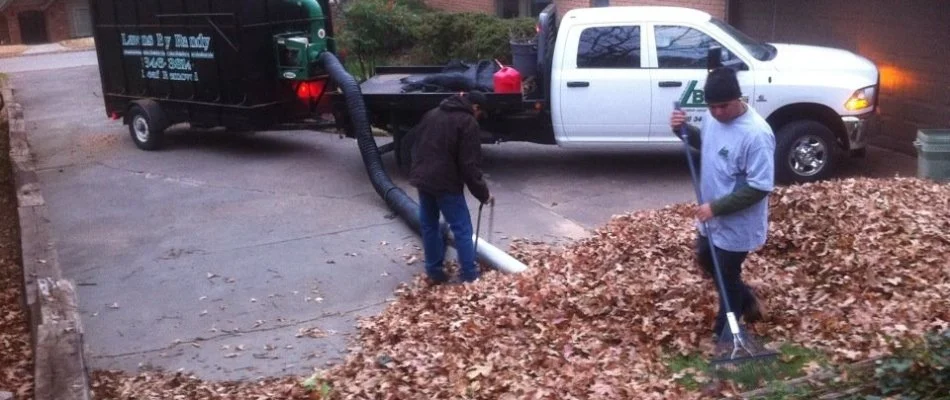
(455, 210)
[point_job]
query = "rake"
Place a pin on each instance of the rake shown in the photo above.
(736, 350)
(491, 222)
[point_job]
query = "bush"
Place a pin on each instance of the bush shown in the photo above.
(374, 29)
(408, 32)
(919, 372)
(441, 37)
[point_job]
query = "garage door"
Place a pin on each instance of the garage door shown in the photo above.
(81, 20)
(907, 40)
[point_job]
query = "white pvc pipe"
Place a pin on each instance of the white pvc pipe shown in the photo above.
(497, 258)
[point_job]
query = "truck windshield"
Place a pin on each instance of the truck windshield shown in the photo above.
(761, 51)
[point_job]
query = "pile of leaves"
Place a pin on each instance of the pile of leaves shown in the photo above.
(16, 354)
(852, 268)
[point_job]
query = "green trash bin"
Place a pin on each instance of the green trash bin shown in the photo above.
(933, 154)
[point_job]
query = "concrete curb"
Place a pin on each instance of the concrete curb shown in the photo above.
(65, 50)
(51, 301)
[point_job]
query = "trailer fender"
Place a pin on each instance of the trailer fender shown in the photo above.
(147, 123)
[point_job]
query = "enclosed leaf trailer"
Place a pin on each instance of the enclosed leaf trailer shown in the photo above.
(240, 64)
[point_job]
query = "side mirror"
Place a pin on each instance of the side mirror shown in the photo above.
(714, 58)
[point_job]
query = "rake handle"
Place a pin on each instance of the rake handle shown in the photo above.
(478, 227)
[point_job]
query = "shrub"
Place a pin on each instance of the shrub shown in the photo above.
(374, 29)
(408, 32)
(919, 371)
(441, 37)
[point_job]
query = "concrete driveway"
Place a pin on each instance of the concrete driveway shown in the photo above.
(239, 256)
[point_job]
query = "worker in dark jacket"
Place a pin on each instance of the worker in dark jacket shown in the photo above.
(445, 158)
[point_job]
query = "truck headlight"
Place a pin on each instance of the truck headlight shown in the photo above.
(861, 99)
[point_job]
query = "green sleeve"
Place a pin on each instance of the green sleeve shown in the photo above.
(738, 200)
(694, 139)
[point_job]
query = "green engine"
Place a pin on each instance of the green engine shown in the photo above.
(297, 51)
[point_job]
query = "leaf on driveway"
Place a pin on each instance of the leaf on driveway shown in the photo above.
(313, 332)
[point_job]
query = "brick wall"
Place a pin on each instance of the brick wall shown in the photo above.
(485, 6)
(4, 29)
(57, 21)
(714, 7)
(13, 25)
(907, 41)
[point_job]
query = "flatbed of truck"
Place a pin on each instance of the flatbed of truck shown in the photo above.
(385, 84)
(384, 91)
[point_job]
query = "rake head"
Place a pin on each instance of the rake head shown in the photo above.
(740, 355)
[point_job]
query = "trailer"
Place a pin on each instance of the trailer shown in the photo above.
(238, 64)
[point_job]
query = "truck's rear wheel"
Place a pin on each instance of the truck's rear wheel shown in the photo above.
(804, 152)
(147, 126)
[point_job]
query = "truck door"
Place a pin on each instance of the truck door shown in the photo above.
(679, 72)
(600, 89)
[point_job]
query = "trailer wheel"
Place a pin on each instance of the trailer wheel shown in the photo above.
(147, 126)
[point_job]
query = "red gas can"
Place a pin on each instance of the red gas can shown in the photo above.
(507, 80)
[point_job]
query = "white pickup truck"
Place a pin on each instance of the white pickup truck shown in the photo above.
(607, 77)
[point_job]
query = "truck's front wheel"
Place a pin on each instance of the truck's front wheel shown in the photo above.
(804, 152)
(147, 126)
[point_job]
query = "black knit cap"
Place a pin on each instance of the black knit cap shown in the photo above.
(722, 86)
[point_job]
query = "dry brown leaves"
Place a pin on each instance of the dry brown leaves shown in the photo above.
(16, 354)
(153, 385)
(850, 266)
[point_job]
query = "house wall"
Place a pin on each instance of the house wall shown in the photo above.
(907, 40)
(485, 6)
(714, 7)
(57, 21)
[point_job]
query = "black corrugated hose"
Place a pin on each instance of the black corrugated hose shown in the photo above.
(395, 197)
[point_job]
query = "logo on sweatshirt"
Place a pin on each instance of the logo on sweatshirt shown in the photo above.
(724, 153)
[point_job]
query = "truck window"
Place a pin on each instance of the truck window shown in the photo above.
(679, 47)
(609, 47)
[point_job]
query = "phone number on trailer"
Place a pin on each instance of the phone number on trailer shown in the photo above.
(172, 63)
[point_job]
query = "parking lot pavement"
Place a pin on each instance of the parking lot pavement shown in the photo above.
(237, 256)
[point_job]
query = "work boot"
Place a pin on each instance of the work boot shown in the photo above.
(469, 277)
(753, 311)
(437, 277)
